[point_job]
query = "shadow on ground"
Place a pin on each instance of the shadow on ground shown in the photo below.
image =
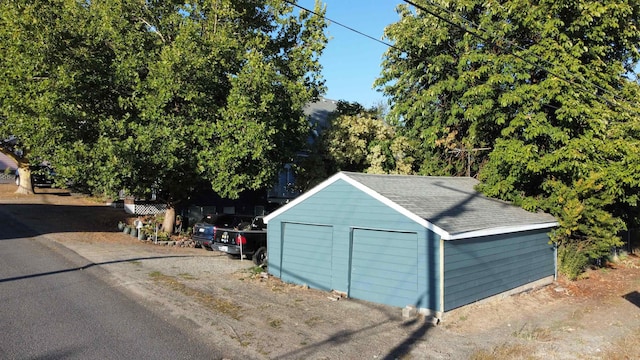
(633, 297)
(90, 265)
(59, 218)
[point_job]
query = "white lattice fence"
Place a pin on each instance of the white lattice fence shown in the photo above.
(141, 208)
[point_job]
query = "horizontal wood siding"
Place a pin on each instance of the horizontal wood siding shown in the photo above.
(342, 204)
(385, 267)
(307, 255)
(481, 267)
(344, 208)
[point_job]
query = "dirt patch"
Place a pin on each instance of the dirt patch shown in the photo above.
(247, 314)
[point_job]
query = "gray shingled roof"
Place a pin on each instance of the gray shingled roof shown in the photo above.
(318, 112)
(450, 203)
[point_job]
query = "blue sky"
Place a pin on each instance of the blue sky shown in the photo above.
(351, 62)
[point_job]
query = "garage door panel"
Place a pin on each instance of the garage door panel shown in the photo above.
(389, 256)
(384, 239)
(308, 249)
(298, 237)
(322, 259)
(309, 277)
(384, 267)
(301, 262)
(308, 262)
(307, 254)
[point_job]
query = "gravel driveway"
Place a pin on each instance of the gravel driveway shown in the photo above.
(249, 315)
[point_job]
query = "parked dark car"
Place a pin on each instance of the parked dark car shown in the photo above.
(41, 176)
(204, 230)
(246, 239)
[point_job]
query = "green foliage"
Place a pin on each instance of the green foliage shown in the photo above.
(160, 96)
(545, 86)
(34, 36)
(358, 140)
(572, 261)
(350, 138)
(255, 270)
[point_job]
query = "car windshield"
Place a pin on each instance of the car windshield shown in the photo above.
(218, 219)
(242, 222)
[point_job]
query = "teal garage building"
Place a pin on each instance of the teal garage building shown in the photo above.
(430, 242)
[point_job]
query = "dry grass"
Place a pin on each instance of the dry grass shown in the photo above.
(187, 276)
(503, 352)
(222, 306)
(312, 321)
(533, 333)
(625, 348)
(275, 323)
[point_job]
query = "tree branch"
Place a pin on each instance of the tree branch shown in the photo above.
(152, 28)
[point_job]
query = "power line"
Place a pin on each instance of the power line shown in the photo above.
(344, 26)
(512, 44)
(508, 48)
(479, 36)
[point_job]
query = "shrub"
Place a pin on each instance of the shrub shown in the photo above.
(571, 261)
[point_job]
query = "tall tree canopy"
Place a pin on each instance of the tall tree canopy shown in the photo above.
(356, 139)
(545, 85)
(165, 94)
(360, 140)
(33, 39)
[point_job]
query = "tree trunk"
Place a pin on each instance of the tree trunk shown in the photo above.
(25, 186)
(169, 220)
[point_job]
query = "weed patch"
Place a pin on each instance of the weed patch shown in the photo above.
(187, 276)
(533, 333)
(503, 352)
(222, 306)
(246, 339)
(256, 270)
(312, 321)
(625, 348)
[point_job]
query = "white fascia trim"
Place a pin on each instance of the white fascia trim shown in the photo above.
(396, 207)
(421, 221)
(500, 230)
(304, 196)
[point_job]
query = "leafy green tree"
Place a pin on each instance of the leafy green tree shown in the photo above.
(363, 143)
(165, 95)
(33, 38)
(544, 85)
(358, 140)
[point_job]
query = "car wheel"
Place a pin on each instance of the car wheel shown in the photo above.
(260, 256)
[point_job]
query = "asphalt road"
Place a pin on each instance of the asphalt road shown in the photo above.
(56, 305)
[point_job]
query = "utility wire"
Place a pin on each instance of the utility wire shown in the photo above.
(512, 44)
(508, 48)
(344, 26)
(486, 40)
